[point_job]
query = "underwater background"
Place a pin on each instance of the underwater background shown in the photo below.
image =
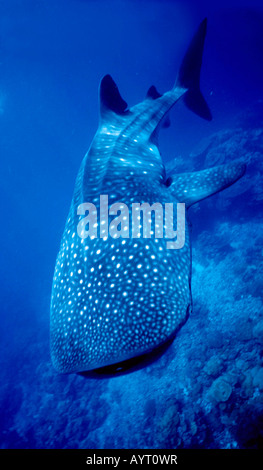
(206, 391)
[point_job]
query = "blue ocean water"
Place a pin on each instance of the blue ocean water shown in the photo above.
(206, 390)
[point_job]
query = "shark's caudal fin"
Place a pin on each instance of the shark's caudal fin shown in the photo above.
(190, 188)
(187, 85)
(189, 74)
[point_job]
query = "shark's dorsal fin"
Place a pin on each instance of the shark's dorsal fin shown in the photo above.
(190, 188)
(153, 93)
(110, 98)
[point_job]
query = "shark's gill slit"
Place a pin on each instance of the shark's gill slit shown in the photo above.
(168, 182)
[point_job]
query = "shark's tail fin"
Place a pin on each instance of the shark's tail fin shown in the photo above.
(189, 74)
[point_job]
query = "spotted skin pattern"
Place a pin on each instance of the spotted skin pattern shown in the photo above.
(118, 298)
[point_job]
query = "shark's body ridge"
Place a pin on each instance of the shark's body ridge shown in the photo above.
(116, 299)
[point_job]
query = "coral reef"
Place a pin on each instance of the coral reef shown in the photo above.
(220, 390)
(206, 389)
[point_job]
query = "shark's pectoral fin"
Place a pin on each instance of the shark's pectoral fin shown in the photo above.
(190, 188)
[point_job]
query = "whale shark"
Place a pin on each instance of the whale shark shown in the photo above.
(119, 298)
